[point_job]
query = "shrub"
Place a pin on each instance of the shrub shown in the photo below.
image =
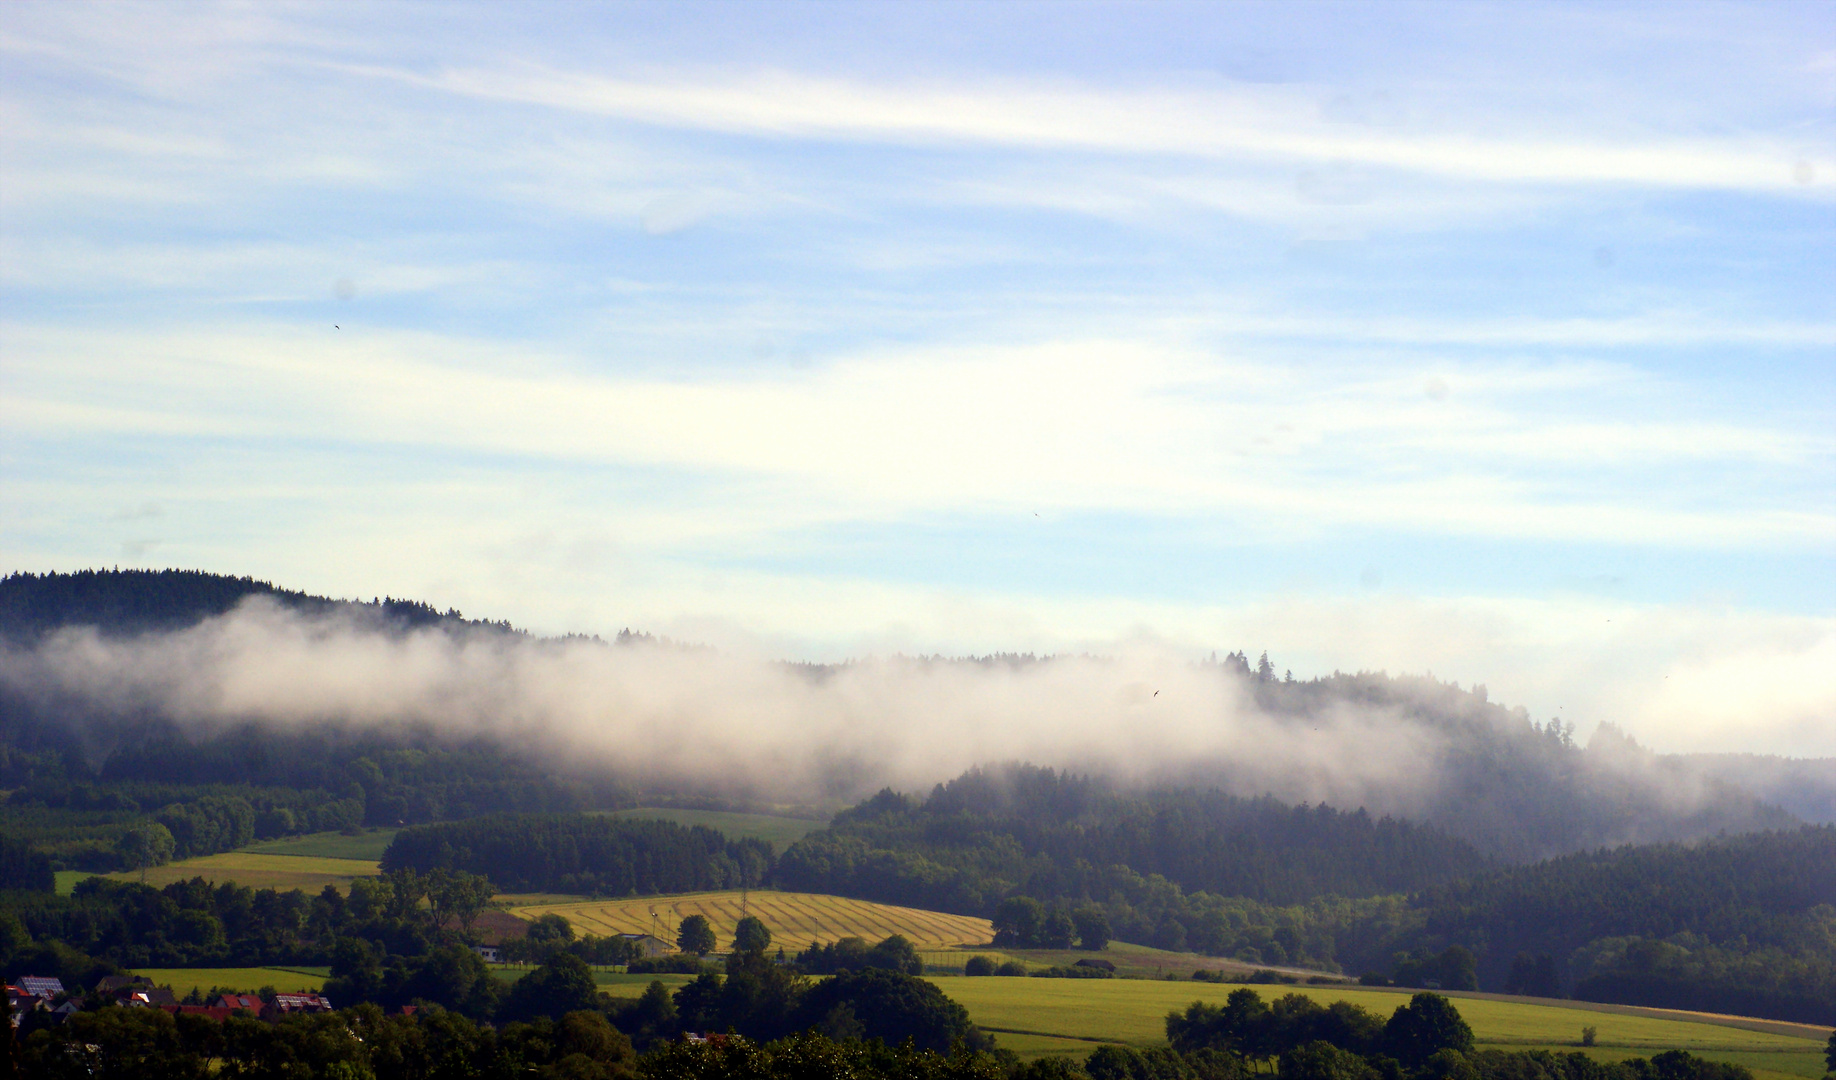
(892, 1007)
(671, 964)
(563, 985)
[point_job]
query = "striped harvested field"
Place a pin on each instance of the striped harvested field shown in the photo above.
(795, 920)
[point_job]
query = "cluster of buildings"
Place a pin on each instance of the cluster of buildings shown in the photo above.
(36, 994)
(646, 944)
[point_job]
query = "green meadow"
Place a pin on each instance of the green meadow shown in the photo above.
(303, 979)
(779, 832)
(1134, 1011)
(617, 984)
(368, 846)
(260, 871)
(327, 858)
(248, 980)
(1037, 1017)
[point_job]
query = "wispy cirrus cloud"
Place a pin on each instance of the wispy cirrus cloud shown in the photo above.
(1221, 120)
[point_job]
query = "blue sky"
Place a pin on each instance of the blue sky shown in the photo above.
(1491, 340)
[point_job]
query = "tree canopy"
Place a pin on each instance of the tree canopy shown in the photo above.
(696, 935)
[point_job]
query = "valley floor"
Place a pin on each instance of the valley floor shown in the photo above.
(1040, 1017)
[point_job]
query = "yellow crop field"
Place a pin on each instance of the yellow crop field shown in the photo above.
(795, 919)
(261, 871)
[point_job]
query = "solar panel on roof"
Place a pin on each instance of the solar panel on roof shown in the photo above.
(41, 986)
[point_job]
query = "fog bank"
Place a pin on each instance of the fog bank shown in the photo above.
(757, 728)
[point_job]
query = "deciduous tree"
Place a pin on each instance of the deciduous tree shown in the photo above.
(695, 936)
(750, 935)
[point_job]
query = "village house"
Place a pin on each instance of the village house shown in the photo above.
(648, 944)
(112, 984)
(40, 986)
(136, 991)
(22, 1003)
(288, 1004)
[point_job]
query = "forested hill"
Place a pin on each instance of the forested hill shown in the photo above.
(1771, 888)
(121, 602)
(1055, 834)
(583, 853)
(1409, 748)
(1516, 789)
(1802, 786)
(1741, 924)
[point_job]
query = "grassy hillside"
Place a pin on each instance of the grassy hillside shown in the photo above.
(261, 871)
(614, 983)
(1147, 962)
(779, 832)
(285, 980)
(308, 862)
(307, 979)
(794, 919)
(1134, 1011)
(1036, 1017)
(368, 846)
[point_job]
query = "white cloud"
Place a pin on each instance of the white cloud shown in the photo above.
(1131, 425)
(1767, 692)
(1679, 678)
(1220, 120)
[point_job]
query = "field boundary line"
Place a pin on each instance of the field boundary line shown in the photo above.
(1057, 1035)
(1789, 1028)
(1635, 1046)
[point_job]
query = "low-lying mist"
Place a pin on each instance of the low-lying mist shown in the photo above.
(757, 729)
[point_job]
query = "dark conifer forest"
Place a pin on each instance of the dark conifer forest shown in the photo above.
(1735, 924)
(583, 853)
